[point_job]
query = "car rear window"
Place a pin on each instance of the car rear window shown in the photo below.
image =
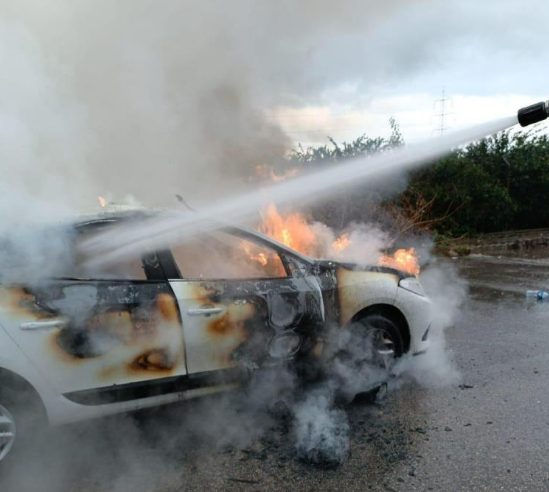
(130, 267)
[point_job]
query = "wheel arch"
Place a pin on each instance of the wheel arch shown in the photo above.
(392, 313)
(26, 392)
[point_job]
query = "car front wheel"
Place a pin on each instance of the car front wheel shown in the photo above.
(366, 351)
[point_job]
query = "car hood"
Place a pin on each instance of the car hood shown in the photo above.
(332, 264)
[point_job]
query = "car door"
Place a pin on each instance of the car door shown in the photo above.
(118, 325)
(236, 295)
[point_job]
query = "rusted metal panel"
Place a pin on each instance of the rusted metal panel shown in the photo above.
(110, 332)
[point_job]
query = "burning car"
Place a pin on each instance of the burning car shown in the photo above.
(192, 318)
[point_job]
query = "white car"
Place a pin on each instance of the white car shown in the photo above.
(184, 321)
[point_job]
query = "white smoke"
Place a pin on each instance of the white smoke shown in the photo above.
(126, 97)
(363, 242)
(448, 292)
(129, 97)
(43, 141)
(321, 430)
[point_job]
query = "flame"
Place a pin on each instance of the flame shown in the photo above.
(294, 231)
(341, 243)
(259, 257)
(403, 259)
(289, 173)
(267, 172)
(291, 230)
(102, 201)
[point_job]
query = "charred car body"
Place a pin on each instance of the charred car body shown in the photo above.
(184, 321)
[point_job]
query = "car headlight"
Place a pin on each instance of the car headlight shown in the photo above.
(412, 284)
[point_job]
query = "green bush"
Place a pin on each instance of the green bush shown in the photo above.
(499, 183)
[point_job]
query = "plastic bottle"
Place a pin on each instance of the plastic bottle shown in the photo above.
(539, 294)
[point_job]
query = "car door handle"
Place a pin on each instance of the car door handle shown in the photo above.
(204, 311)
(44, 325)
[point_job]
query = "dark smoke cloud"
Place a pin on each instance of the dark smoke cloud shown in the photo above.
(136, 97)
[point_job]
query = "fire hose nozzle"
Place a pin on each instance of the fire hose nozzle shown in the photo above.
(533, 114)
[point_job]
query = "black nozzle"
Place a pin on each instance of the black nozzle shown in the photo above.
(533, 114)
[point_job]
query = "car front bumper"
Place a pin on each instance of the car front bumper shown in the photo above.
(418, 311)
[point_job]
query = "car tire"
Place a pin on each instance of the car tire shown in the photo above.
(387, 328)
(8, 432)
(365, 352)
(23, 416)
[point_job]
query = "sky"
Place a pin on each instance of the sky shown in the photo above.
(139, 99)
(489, 58)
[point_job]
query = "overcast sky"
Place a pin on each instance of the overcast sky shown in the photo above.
(491, 57)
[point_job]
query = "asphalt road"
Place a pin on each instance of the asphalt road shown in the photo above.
(487, 431)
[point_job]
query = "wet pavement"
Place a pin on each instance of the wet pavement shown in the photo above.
(487, 431)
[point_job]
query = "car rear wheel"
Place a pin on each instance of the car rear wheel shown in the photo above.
(8, 432)
(22, 418)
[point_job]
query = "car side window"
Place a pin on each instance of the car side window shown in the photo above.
(221, 255)
(130, 267)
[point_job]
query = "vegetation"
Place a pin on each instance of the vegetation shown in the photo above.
(499, 183)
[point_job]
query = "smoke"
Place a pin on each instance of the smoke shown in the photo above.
(111, 246)
(448, 291)
(361, 243)
(43, 143)
(126, 98)
(275, 412)
(33, 253)
(321, 430)
(132, 98)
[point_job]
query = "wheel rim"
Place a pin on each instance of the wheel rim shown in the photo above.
(7, 432)
(383, 347)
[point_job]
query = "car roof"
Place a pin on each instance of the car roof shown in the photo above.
(113, 213)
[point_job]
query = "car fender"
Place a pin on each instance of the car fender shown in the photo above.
(13, 359)
(357, 290)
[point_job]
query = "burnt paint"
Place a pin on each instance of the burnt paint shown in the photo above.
(153, 360)
(230, 336)
(252, 312)
(19, 300)
(114, 312)
(121, 313)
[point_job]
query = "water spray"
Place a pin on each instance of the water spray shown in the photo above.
(533, 114)
(112, 245)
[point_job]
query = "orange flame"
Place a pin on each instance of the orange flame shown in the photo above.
(294, 231)
(289, 173)
(403, 259)
(341, 243)
(102, 201)
(291, 230)
(260, 257)
(267, 172)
